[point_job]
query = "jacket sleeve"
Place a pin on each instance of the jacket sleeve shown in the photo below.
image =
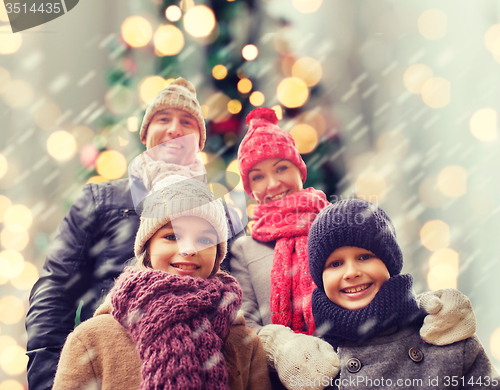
(478, 367)
(259, 373)
(55, 296)
(75, 370)
(239, 270)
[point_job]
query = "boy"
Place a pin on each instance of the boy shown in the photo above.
(365, 308)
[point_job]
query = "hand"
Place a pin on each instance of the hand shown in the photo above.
(299, 358)
(450, 317)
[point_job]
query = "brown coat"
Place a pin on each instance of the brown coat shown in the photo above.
(99, 354)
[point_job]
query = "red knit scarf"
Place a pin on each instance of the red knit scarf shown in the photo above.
(287, 221)
(178, 324)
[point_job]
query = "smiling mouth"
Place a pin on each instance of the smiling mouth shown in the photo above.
(356, 289)
(279, 196)
(174, 146)
(185, 266)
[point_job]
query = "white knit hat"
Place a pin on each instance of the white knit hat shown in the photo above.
(175, 197)
(179, 94)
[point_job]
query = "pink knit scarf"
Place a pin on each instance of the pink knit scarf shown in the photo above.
(152, 171)
(178, 324)
(288, 221)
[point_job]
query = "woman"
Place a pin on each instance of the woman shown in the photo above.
(272, 265)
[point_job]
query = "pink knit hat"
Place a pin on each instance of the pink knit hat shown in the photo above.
(179, 94)
(266, 140)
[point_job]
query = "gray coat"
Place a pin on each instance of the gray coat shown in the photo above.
(403, 356)
(251, 263)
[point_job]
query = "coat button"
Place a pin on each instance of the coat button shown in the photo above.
(353, 365)
(416, 354)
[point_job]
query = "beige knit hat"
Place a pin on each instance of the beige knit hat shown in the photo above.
(175, 197)
(179, 94)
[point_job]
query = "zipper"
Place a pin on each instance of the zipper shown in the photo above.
(125, 213)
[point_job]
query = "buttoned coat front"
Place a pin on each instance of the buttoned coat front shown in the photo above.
(401, 360)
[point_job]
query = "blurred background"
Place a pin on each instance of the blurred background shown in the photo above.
(393, 101)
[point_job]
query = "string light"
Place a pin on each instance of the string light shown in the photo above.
(136, 31)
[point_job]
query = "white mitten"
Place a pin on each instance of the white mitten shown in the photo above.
(450, 317)
(299, 359)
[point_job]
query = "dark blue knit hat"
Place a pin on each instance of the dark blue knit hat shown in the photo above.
(352, 222)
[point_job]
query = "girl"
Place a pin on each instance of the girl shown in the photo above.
(368, 311)
(272, 265)
(170, 321)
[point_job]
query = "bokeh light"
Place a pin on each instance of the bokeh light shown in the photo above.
(492, 39)
(14, 240)
(436, 92)
(483, 124)
(279, 111)
(13, 360)
(61, 145)
(186, 5)
(4, 16)
(26, 278)
(11, 384)
(452, 181)
(173, 13)
(234, 106)
(219, 72)
(9, 42)
(443, 269)
(429, 194)
(84, 135)
(415, 77)
(19, 94)
(250, 210)
(118, 99)
(217, 107)
(292, 92)
(495, 344)
(88, 155)
(5, 204)
(11, 264)
(4, 78)
(18, 218)
(5, 342)
(168, 40)
(250, 52)
(136, 31)
(4, 166)
(47, 115)
(111, 164)
(393, 144)
(150, 86)
(233, 180)
(307, 6)
(133, 124)
(435, 235)
(305, 137)
(433, 24)
(371, 187)
(11, 310)
(308, 70)
(244, 86)
(199, 21)
(257, 98)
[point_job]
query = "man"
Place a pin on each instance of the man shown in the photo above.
(96, 238)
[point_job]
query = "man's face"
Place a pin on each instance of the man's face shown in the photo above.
(166, 136)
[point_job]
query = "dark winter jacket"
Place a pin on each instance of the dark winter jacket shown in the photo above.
(93, 243)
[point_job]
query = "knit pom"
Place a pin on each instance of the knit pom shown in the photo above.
(263, 113)
(184, 83)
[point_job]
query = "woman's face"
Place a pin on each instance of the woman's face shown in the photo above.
(273, 179)
(184, 246)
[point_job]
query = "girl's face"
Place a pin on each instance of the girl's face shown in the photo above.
(352, 277)
(184, 246)
(273, 179)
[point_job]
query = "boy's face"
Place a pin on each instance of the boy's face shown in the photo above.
(352, 276)
(185, 246)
